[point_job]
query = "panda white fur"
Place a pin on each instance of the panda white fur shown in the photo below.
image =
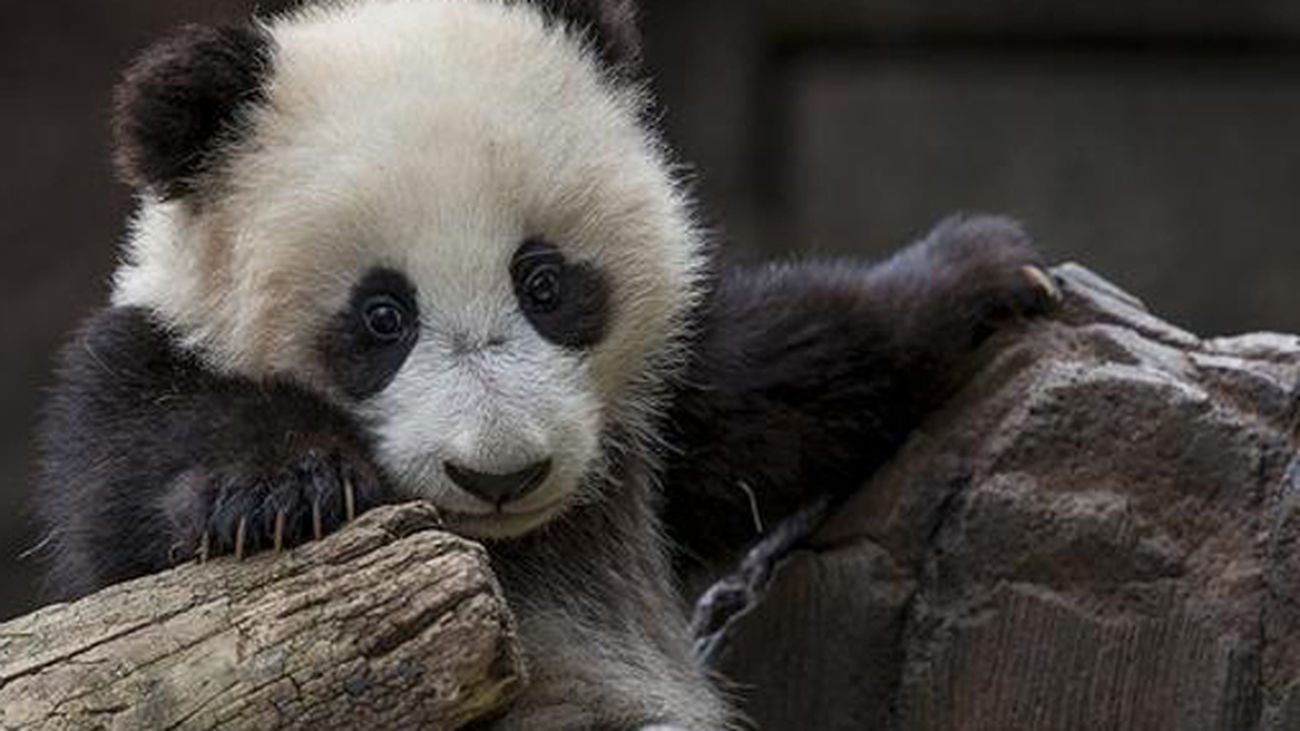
(431, 249)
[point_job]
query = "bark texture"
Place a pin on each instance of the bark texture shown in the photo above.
(389, 624)
(1101, 532)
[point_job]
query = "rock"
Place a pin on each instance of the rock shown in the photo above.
(1102, 531)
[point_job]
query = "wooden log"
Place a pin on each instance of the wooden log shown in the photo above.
(390, 624)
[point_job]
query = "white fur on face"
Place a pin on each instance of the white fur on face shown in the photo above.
(492, 408)
(432, 137)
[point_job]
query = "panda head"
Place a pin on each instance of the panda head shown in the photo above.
(445, 216)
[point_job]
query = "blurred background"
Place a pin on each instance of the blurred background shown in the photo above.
(1157, 141)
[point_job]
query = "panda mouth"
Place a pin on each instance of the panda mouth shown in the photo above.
(500, 522)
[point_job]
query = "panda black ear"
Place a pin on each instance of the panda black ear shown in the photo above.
(181, 103)
(612, 27)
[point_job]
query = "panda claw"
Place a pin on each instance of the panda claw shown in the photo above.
(317, 524)
(240, 533)
(279, 531)
(1043, 282)
(205, 547)
(349, 499)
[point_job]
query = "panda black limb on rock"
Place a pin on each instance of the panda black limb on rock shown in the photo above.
(431, 249)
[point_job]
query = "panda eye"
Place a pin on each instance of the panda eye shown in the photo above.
(373, 335)
(385, 319)
(566, 302)
(541, 289)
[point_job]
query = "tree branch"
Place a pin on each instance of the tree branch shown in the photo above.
(389, 624)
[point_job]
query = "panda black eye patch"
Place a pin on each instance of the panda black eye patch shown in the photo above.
(567, 303)
(369, 341)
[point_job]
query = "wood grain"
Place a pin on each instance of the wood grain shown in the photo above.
(390, 624)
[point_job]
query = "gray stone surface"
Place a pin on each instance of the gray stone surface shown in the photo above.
(1102, 531)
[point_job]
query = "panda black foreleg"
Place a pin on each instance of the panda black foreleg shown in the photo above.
(808, 376)
(151, 459)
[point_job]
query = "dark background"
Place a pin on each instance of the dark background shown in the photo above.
(1158, 141)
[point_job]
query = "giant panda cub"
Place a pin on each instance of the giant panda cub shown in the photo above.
(432, 249)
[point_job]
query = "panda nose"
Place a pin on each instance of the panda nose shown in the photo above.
(498, 489)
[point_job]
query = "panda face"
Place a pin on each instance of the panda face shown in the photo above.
(490, 411)
(446, 220)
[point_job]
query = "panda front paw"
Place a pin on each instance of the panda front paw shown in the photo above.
(246, 507)
(986, 271)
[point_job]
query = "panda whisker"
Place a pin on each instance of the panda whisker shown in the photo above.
(753, 506)
(240, 534)
(279, 531)
(44, 543)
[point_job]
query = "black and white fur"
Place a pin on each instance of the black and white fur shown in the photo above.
(429, 249)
